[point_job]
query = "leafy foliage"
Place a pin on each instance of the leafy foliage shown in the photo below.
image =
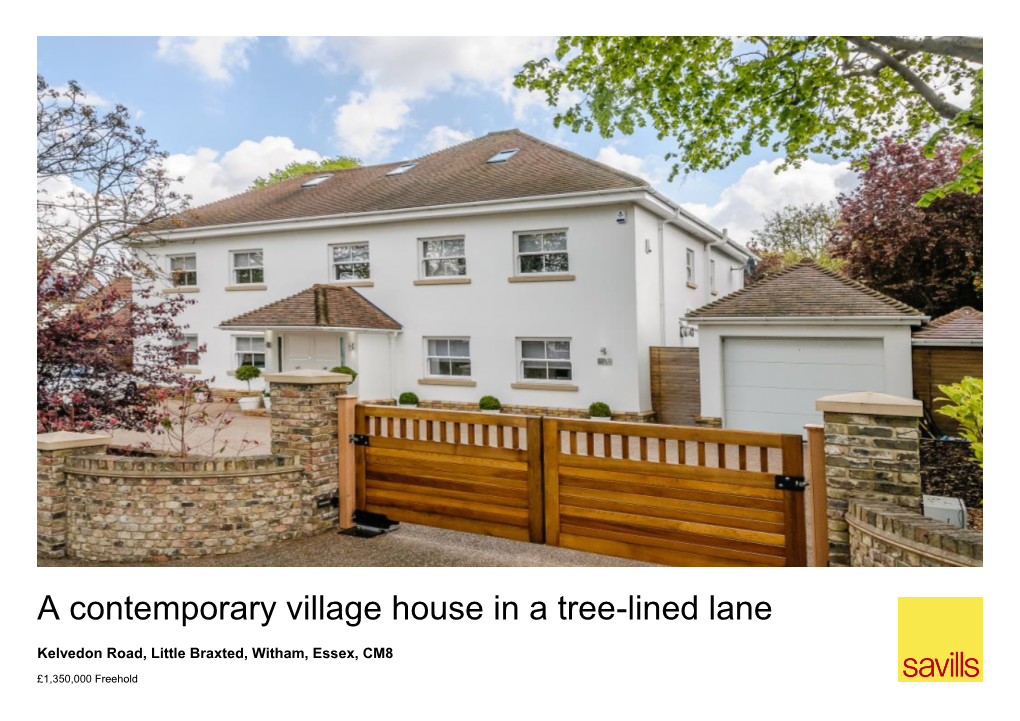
(965, 405)
(720, 97)
(930, 257)
(408, 399)
(341, 162)
(789, 235)
(598, 409)
(347, 370)
(489, 403)
(969, 123)
(247, 374)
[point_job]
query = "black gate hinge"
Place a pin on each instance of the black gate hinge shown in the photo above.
(791, 483)
(359, 439)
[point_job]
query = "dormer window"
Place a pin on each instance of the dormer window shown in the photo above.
(401, 169)
(316, 181)
(503, 155)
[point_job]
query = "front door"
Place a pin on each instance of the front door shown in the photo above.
(317, 351)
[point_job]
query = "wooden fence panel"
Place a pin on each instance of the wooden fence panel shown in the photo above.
(474, 472)
(674, 495)
(676, 384)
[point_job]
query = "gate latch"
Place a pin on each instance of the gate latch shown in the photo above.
(791, 483)
(359, 439)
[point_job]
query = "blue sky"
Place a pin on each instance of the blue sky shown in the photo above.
(230, 109)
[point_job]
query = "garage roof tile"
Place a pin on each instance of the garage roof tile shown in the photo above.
(962, 324)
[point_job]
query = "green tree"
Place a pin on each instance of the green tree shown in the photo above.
(796, 232)
(719, 97)
(341, 162)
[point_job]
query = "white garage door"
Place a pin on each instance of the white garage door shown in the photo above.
(771, 384)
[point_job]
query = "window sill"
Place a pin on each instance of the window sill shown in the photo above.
(180, 289)
(352, 283)
(539, 278)
(544, 387)
(246, 287)
(190, 370)
(453, 280)
(446, 382)
(692, 285)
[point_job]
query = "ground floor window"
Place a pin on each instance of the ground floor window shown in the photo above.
(249, 350)
(189, 347)
(544, 359)
(448, 357)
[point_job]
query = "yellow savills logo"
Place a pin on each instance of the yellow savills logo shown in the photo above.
(940, 639)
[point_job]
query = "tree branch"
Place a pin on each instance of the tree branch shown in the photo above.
(966, 48)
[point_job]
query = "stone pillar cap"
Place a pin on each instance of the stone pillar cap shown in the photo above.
(307, 376)
(60, 440)
(874, 404)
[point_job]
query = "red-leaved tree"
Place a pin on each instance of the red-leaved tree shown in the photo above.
(930, 258)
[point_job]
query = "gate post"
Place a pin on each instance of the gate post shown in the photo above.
(305, 426)
(51, 485)
(872, 451)
(347, 472)
(819, 497)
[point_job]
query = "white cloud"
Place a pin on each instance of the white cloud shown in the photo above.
(442, 136)
(644, 168)
(216, 58)
(367, 125)
(760, 190)
(210, 176)
(90, 98)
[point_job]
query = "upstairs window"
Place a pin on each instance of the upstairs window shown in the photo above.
(690, 266)
(503, 155)
(183, 270)
(448, 357)
(443, 257)
(189, 347)
(546, 359)
(249, 350)
(401, 169)
(544, 252)
(247, 267)
(350, 262)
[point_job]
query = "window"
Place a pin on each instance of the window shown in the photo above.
(544, 252)
(503, 155)
(350, 262)
(448, 357)
(545, 360)
(690, 265)
(441, 257)
(316, 181)
(401, 169)
(248, 267)
(249, 350)
(711, 275)
(189, 346)
(183, 270)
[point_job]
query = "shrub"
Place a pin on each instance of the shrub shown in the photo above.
(490, 403)
(345, 369)
(408, 399)
(247, 374)
(598, 409)
(966, 406)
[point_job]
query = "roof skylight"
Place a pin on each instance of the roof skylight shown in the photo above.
(401, 169)
(316, 181)
(503, 155)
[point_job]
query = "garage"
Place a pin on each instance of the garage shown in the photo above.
(770, 350)
(771, 384)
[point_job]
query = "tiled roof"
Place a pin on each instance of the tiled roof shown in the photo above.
(963, 324)
(321, 306)
(459, 174)
(803, 290)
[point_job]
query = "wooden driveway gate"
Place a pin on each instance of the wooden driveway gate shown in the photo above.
(675, 495)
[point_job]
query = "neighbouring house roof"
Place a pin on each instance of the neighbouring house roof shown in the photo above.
(460, 174)
(964, 326)
(321, 306)
(806, 290)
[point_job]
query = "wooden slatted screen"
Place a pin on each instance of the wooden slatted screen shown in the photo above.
(475, 472)
(673, 495)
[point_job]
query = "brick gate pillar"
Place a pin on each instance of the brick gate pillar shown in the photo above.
(872, 451)
(304, 425)
(51, 485)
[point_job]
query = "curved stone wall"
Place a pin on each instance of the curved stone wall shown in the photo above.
(885, 534)
(145, 509)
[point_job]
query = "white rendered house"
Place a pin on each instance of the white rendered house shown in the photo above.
(504, 266)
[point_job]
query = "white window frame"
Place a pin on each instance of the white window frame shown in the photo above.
(234, 269)
(691, 260)
(333, 263)
(184, 342)
(170, 268)
(235, 353)
(711, 275)
(518, 253)
(422, 260)
(428, 357)
(550, 381)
